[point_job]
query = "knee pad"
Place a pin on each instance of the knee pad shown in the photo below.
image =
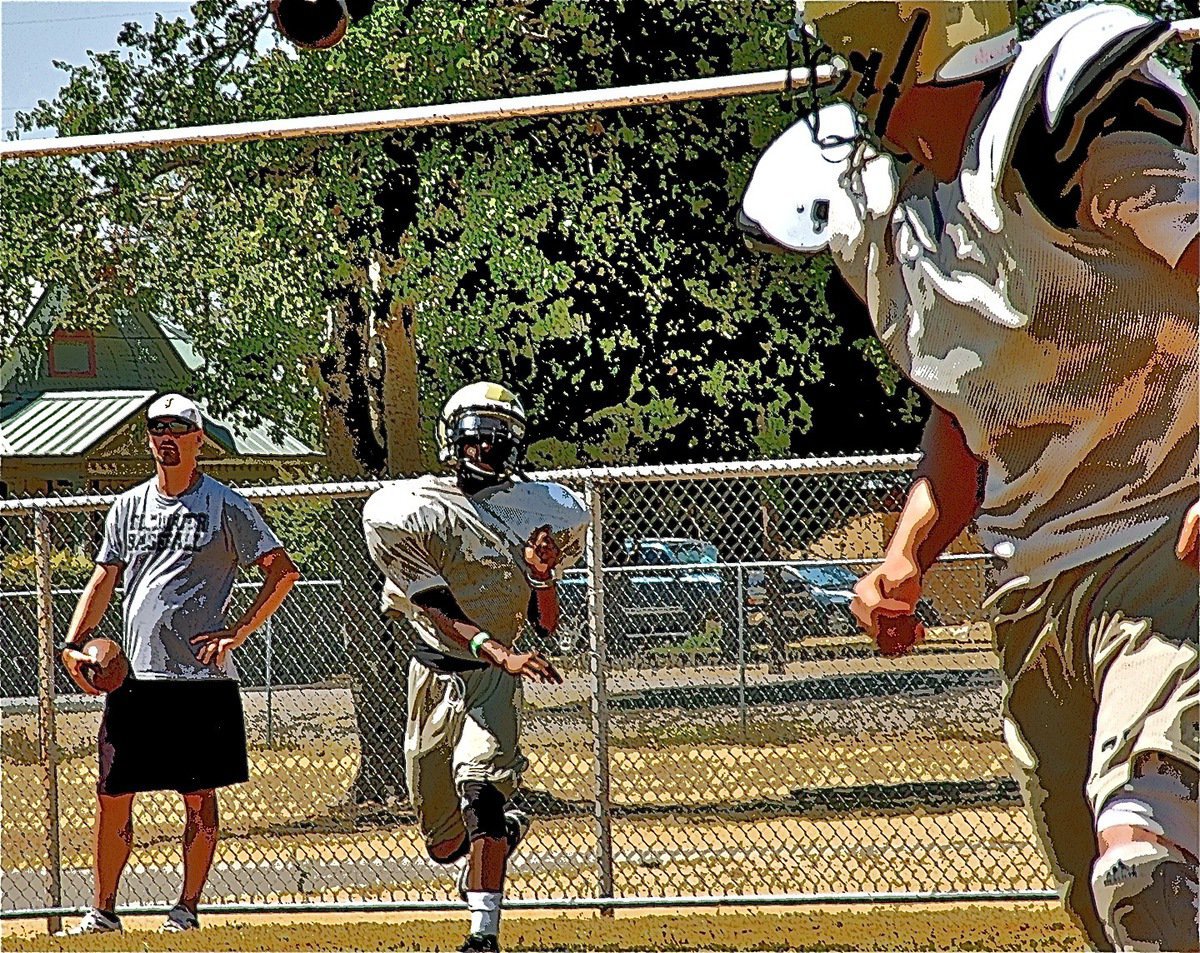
(1162, 802)
(483, 810)
(1146, 894)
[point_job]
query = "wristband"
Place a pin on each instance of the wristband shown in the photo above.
(63, 645)
(477, 642)
(547, 583)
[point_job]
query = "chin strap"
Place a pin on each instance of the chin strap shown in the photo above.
(891, 91)
(472, 479)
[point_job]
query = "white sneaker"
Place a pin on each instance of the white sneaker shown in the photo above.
(179, 920)
(93, 922)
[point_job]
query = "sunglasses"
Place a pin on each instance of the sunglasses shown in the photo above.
(176, 428)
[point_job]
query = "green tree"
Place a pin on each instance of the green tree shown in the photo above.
(588, 259)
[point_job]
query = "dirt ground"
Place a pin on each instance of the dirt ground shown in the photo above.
(1013, 926)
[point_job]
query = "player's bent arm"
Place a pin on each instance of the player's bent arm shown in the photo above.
(442, 609)
(93, 602)
(279, 575)
(945, 496)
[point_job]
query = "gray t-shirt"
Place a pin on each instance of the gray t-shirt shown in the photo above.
(180, 556)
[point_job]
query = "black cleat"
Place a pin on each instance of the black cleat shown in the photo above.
(480, 943)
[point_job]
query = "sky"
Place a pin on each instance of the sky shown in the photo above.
(35, 33)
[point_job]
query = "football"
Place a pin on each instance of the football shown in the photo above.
(898, 634)
(109, 666)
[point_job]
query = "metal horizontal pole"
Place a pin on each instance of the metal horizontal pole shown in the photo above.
(382, 120)
(485, 110)
(799, 467)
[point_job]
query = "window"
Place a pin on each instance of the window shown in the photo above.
(73, 354)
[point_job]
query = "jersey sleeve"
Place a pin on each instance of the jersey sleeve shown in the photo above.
(405, 535)
(252, 537)
(112, 544)
(1142, 190)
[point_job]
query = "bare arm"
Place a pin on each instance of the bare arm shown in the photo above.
(942, 500)
(89, 610)
(443, 610)
(279, 575)
(93, 602)
(945, 495)
(541, 556)
(545, 609)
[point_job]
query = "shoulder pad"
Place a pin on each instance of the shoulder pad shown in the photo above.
(525, 506)
(1102, 46)
(409, 505)
(1059, 78)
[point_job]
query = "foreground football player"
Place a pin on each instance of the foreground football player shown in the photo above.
(1022, 224)
(469, 562)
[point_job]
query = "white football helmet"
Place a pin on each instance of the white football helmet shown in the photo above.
(487, 411)
(814, 191)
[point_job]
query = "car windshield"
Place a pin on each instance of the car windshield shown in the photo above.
(827, 577)
(694, 552)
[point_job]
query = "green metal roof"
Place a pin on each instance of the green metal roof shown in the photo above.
(67, 423)
(254, 440)
(70, 422)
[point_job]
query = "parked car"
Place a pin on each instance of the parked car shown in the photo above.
(668, 588)
(817, 596)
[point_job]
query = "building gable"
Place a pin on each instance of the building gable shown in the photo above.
(131, 350)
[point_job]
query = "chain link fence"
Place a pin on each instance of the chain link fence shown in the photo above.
(723, 731)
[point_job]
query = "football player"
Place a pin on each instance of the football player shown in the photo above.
(1021, 221)
(470, 561)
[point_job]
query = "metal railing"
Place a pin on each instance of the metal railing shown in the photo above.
(723, 734)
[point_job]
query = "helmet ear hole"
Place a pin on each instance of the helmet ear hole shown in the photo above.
(820, 214)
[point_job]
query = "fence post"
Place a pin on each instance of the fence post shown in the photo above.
(47, 734)
(267, 675)
(741, 639)
(598, 669)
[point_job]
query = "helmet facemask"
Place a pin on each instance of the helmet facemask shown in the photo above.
(489, 448)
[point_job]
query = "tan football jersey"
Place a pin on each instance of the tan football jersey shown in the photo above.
(1067, 354)
(426, 532)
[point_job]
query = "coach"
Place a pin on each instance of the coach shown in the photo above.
(176, 723)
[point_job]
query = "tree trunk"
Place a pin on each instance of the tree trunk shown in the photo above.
(375, 657)
(401, 411)
(352, 447)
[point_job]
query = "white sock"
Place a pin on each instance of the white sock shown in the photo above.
(485, 911)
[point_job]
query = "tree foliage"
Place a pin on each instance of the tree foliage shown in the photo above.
(346, 285)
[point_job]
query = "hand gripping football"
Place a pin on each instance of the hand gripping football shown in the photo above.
(109, 666)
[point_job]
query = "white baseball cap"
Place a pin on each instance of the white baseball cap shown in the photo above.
(176, 405)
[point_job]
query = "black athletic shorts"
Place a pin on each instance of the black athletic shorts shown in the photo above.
(172, 735)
